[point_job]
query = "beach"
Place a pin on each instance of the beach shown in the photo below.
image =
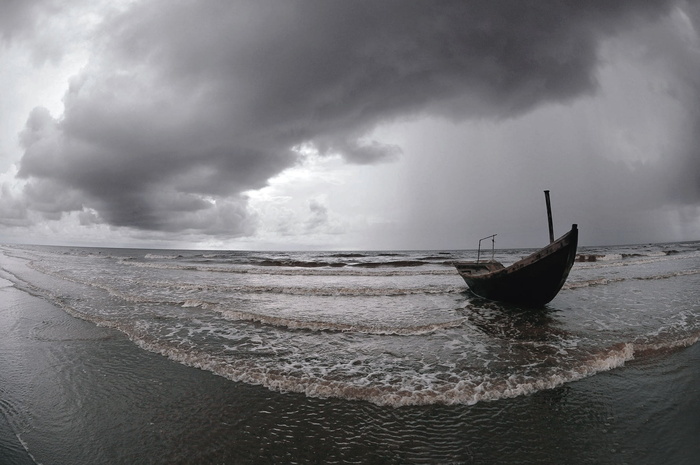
(74, 391)
(312, 232)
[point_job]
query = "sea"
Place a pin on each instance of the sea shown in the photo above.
(114, 355)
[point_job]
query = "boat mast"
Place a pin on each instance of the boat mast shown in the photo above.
(493, 246)
(549, 217)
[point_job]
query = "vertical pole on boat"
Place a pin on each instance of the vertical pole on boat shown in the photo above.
(549, 217)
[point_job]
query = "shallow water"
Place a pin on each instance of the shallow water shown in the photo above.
(315, 358)
(393, 328)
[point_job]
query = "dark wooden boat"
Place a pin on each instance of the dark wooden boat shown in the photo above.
(533, 281)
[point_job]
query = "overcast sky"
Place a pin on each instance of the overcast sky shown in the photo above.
(342, 124)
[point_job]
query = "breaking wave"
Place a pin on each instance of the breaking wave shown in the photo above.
(410, 388)
(370, 270)
(401, 389)
(398, 331)
(328, 291)
(153, 256)
(605, 281)
(293, 323)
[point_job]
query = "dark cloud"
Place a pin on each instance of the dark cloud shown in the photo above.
(19, 16)
(677, 173)
(42, 25)
(687, 172)
(186, 105)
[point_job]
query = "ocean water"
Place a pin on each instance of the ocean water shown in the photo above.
(360, 357)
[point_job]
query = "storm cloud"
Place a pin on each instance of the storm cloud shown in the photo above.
(184, 106)
(20, 16)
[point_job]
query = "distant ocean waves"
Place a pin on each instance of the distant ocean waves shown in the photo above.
(391, 328)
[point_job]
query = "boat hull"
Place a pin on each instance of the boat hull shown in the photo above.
(532, 281)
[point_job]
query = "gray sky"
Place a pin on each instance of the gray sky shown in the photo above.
(348, 124)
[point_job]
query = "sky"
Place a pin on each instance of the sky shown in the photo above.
(348, 125)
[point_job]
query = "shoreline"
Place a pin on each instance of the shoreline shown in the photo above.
(74, 392)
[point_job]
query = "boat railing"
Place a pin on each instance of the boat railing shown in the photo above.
(493, 246)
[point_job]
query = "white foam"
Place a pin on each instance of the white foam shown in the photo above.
(392, 391)
(673, 274)
(204, 321)
(296, 323)
(155, 256)
(321, 291)
(25, 446)
(609, 257)
(605, 281)
(664, 344)
(279, 271)
(591, 282)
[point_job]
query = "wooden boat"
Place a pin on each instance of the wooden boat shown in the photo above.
(533, 281)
